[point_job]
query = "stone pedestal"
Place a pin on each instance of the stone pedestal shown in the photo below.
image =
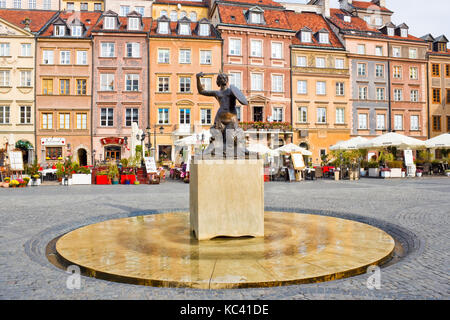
(227, 198)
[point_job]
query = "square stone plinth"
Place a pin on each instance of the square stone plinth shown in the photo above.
(227, 198)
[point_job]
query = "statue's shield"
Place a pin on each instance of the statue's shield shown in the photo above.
(239, 95)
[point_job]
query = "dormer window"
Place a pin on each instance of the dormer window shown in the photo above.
(60, 31)
(184, 29)
(324, 36)
(306, 35)
(76, 31)
(390, 32)
(256, 17)
(133, 23)
(347, 19)
(204, 30)
(110, 23)
(404, 33)
(163, 27)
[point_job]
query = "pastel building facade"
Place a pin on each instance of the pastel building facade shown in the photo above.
(31, 4)
(82, 5)
(123, 7)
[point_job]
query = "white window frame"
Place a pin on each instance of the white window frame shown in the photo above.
(81, 121)
(257, 81)
(133, 23)
(5, 49)
(25, 78)
(76, 31)
(321, 88)
(64, 57)
(361, 49)
(277, 83)
(340, 115)
(25, 115)
(205, 116)
(109, 23)
(339, 65)
(134, 116)
(163, 117)
(108, 50)
(324, 38)
(380, 92)
(48, 57)
(396, 52)
(206, 57)
(300, 60)
(82, 57)
(320, 62)
(163, 55)
(106, 79)
(302, 87)
(163, 27)
(5, 115)
(303, 114)
(132, 82)
(340, 89)
(256, 48)
(398, 94)
(398, 122)
(414, 125)
(306, 36)
(108, 120)
(25, 49)
(235, 79)
(362, 121)
(184, 56)
(5, 77)
(135, 49)
(277, 114)
(277, 50)
(414, 94)
(205, 30)
(381, 124)
(235, 48)
(321, 115)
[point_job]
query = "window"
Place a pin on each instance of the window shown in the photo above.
(107, 82)
(64, 57)
(107, 117)
(64, 121)
(398, 94)
(47, 121)
(193, 16)
(320, 62)
(84, 6)
(301, 87)
(414, 123)
(347, 19)
(132, 82)
(256, 48)
(339, 63)
(436, 95)
(163, 84)
(397, 72)
(4, 49)
(140, 10)
(163, 56)
(108, 50)
(238, 112)
(185, 116)
(414, 95)
(404, 33)
(362, 93)
(379, 71)
(321, 115)
(277, 83)
(163, 27)
(413, 73)
(361, 69)
(361, 49)
(124, 10)
(25, 49)
(64, 86)
(110, 23)
(381, 122)
(25, 114)
(323, 37)
(340, 89)
(436, 70)
(362, 121)
(413, 53)
(205, 57)
(306, 36)
(396, 52)
(235, 47)
(340, 115)
(205, 30)
(2, 4)
(31, 4)
(206, 83)
(205, 115)
(4, 78)
(367, 19)
(378, 51)
(380, 93)
(81, 121)
(82, 57)
(4, 114)
(97, 7)
(133, 50)
(277, 50)
(25, 78)
(47, 86)
(53, 152)
(321, 87)
(163, 13)
(47, 57)
(447, 70)
(256, 17)
(448, 95)
(47, 4)
(398, 122)
(378, 21)
(301, 61)
(60, 31)
(185, 84)
(436, 123)
(448, 124)
(235, 79)
(303, 114)
(173, 16)
(131, 115)
(76, 31)
(185, 56)
(163, 116)
(184, 29)
(257, 82)
(81, 86)
(390, 32)
(277, 114)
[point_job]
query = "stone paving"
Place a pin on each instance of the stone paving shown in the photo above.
(416, 211)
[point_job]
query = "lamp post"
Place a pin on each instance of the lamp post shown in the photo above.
(93, 157)
(149, 145)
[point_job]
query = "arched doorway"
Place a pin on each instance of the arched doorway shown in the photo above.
(82, 157)
(26, 147)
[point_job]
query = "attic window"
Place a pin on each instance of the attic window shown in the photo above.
(390, 32)
(323, 37)
(404, 33)
(110, 23)
(233, 18)
(306, 36)
(256, 17)
(133, 23)
(204, 29)
(76, 31)
(184, 29)
(60, 31)
(347, 19)
(163, 27)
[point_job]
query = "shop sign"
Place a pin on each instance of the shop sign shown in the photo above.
(53, 141)
(112, 140)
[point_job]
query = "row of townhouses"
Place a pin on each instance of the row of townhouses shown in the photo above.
(75, 76)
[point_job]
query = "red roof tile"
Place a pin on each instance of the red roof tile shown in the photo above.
(89, 19)
(371, 5)
(173, 31)
(315, 22)
(337, 18)
(38, 18)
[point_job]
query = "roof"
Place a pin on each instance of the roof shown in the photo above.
(146, 23)
(266, 3)
(88, 19)
(441, 38)
(427, 37)
(38, 18)
(174, 34)
(314, 22)
(366, 5)
(276, 19)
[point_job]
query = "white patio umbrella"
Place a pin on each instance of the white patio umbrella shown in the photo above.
(289, 148)
(393, 139)
(351, 144)
(260, 149)
(195, 139)
(439, 142)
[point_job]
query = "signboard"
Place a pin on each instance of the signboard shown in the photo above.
(15, 160)
(150, 165)
(112, 140)
(297, 159)
(409, 161)
(53, 141)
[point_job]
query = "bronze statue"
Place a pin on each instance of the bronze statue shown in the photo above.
(226, 117)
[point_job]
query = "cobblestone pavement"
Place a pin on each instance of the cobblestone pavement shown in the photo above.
(414, 210)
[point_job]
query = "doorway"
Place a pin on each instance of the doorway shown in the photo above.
(112, 153)
(258, 115)
(82, 157)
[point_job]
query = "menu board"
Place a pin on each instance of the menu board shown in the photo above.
(408, 157)
(297, 159)
(15, 160)
(150, 165)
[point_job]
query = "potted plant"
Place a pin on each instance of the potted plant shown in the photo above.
(14, 184)
(363, 168)
(113, 173)
(385, 172)
(26, 181)
(81, 175)
(60, 171)
(36, 180)
(419, 172)
(102, 177)
(447, 173)
(374, 169)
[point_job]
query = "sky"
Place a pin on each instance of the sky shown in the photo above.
(421, 16)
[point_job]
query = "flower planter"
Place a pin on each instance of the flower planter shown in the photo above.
(374, 172)
(385, 174)
(130, 177)
(102, 180)
(362, 173)
(396, 172)
(115, 182)
(81, 179)
(419, 174)
(447, 174)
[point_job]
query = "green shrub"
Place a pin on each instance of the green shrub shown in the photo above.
(373, 164)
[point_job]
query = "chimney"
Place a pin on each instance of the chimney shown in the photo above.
(26, 22)
(381, 3)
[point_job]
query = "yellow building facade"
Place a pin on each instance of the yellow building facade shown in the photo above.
(176, 12)
(82, 5)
